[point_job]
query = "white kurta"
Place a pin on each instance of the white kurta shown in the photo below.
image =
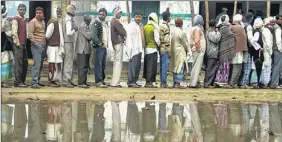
(133, 40)
(55, 53)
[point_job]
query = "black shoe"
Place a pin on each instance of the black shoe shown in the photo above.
(138, 85)
(101, 85)
(53, 84)
(68, 85)
(150, 85)
(73, 84)
(20, 85)
(83, 86)
(35, 86)
(104, 83)
(133, 86)
(42, 85)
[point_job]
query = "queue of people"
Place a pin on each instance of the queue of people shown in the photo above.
(245, 51)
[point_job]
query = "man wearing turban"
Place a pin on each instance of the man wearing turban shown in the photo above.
(69, 38)
(241, 49)
(118, 36)
(55, 38)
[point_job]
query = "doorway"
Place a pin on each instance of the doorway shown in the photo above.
(145, 7)
(274, 9)
(46, 5)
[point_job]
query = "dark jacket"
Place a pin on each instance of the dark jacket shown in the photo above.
(118, 32)
(97, 33)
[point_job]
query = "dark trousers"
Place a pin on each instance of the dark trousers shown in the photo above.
(150, 67)
(83, 67)
(38, 54)
(100, 64)
(276, 68)
(211, 70)
(21, 63)
(258, 64)
(134, 67)
(234, 73)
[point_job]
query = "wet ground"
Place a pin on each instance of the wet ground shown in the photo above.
(131, 121)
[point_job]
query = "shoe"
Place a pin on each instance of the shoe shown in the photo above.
(164, 86)
(275, 87)
(138, 85)
(245, 87)
(83, 86)
(4, 85)
(53, 84)
(179, 86)
(263, 87)
(68, 85)
(133, 86)
(100, 85)
(42, 85)
(20, 85)
(150, 85)
(209, 87)
(73, 84)
(104, 83)
(118, 86)
(35, 86)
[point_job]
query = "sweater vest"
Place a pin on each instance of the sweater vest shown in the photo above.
(149, 36)
(55, 38)
(21, 30)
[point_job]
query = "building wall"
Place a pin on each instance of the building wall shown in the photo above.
(178, 9)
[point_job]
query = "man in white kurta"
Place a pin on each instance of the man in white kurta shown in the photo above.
(54, 35)
(134, 50)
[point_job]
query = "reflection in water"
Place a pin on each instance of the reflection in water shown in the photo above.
(87, 121)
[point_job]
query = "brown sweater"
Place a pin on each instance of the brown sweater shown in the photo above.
(240, 37)
(37, 31)
(118, 32)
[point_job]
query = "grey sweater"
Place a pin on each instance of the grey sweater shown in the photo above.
(213, 38)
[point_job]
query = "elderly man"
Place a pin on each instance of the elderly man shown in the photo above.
(152, 43)
(100, 31)
(38, 45)
(83, 50)
(69, 38)
(134, 42)
(224, 11)
(55, 38)
(237, 28)
(118, 36)
(19, 36)
(277, 55)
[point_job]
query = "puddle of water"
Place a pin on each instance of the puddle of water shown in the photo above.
(88, 121)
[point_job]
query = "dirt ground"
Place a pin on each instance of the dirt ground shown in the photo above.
(141, 94)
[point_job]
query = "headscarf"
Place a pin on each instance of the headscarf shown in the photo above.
(5, 12)
(269, 20)
(178, 22)
(155, 20)
(71, 9)
(258, 23)
(199, 21)
(59, 9)
(116, 11)
(226, 21)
